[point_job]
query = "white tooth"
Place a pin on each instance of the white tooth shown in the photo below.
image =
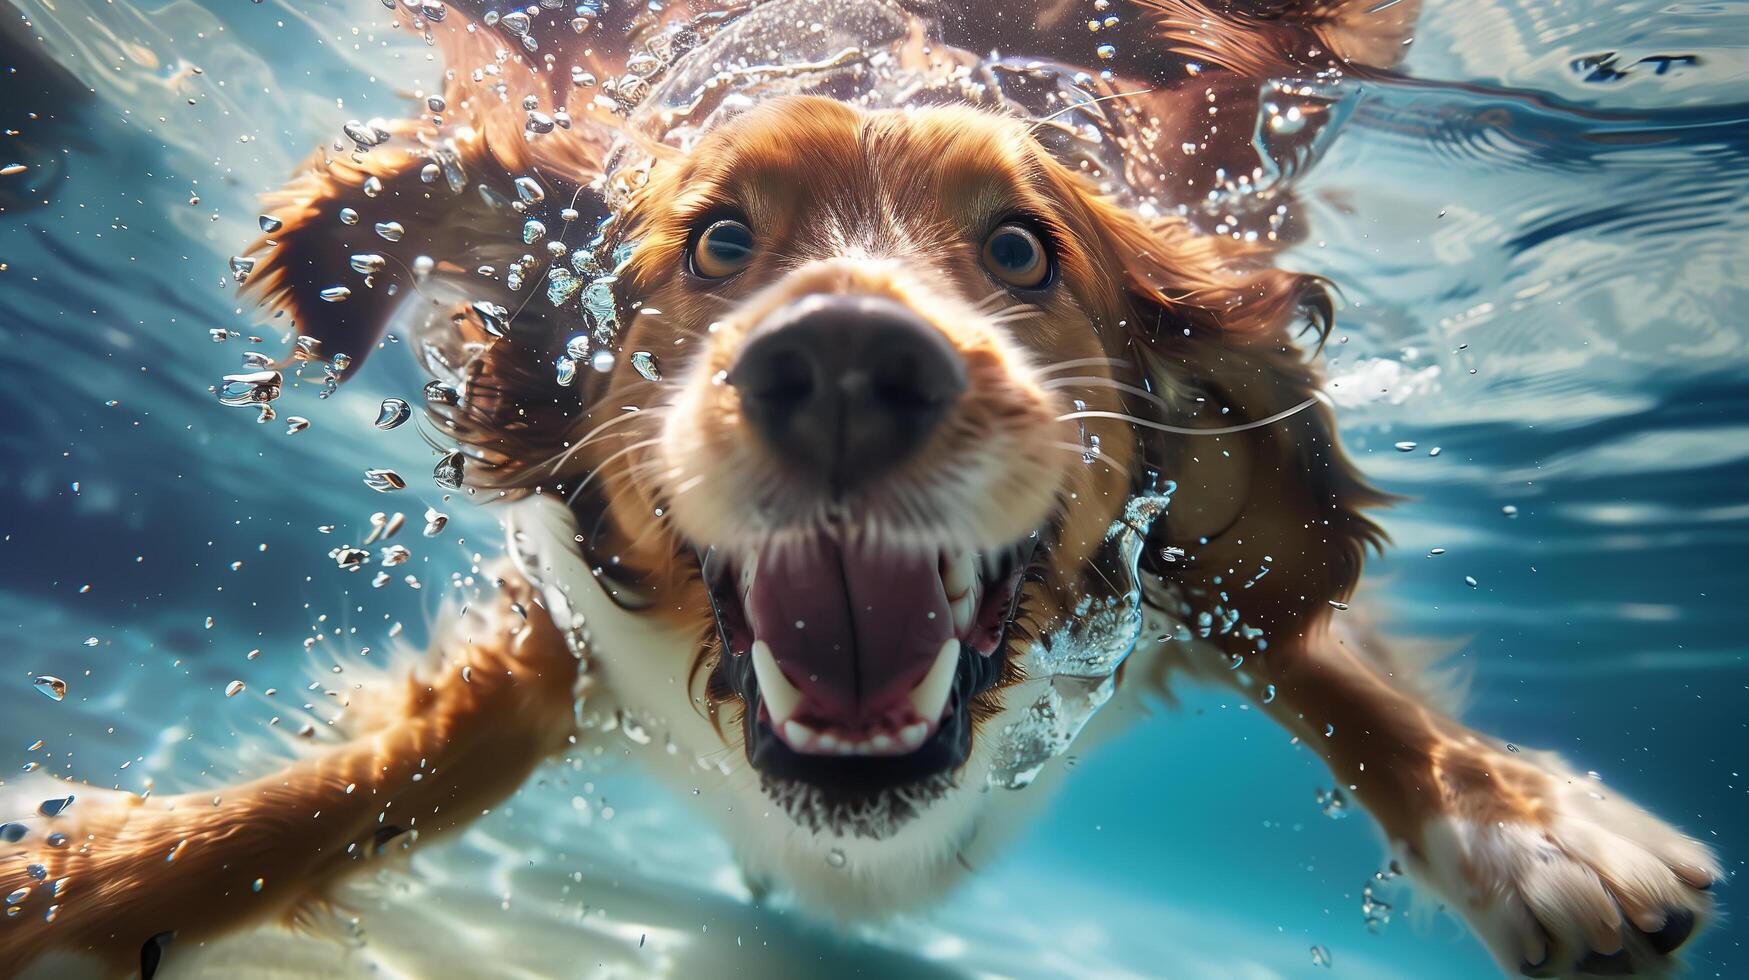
(930, 694)
(798, 735)
(845, 748)
(912, 735)
(827, 742)
(748, 568)
(961, 573)
(882, 742)
(962, 614)
(781, 697)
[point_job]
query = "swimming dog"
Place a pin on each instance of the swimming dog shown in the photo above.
(904, 430)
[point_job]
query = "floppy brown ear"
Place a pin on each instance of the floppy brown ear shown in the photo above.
(1267, 519)
(339, 252)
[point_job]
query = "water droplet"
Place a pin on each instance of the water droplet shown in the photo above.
(390, 230)
(241, 267)
(233, 689)
(295, 424)
(393, 412)
(1320, 957)
(362, 136)
(434, 522)
(257, 884)
(372, 186)
(646, 365)
(12, 833)
(367, 263)
(1332, 803)
(1470, 581)
(835, 858)
(448, 471)
(1106, 52)
(1509, 510)
(348, 216)
(1405, 447)
(270, 224)
(249, 388)
(533, 231)
(55, 807)
(336, 294)
(384, 481)
(52, 687)
(441, 393)
(530, 190)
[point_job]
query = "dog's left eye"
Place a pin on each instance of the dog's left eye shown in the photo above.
(1014, 254)
(724, 248)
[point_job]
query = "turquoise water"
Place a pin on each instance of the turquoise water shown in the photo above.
(1543, 265)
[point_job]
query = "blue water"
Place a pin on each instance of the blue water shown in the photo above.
(1544, 271)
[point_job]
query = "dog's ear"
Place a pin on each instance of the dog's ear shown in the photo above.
(348, 239)
(1268, 511)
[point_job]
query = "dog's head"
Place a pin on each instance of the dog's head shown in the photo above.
(889, 367)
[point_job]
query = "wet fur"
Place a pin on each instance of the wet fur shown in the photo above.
(1554, 879)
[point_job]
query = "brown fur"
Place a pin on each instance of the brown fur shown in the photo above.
(424, 756)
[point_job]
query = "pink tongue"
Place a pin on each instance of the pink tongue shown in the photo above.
(854, 627)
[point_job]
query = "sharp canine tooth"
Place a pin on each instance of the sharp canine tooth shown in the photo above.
(912, 735)
(781, 697)
(748, 568)
(962, 613)
(930, 694)
(960, 575)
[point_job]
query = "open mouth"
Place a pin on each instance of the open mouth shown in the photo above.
(858, 660)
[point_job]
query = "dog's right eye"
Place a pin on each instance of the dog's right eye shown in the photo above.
(724, 248)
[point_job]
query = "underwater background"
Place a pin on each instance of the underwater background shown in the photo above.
(1540, 238)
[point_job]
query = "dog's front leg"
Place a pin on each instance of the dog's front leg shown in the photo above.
(1558, 873)
(116, 881)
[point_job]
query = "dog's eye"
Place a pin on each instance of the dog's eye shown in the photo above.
(1014, 254)
(722, 249)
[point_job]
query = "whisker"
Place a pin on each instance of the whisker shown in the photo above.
(1099, 458)
(559, 459)
(597, 470)
(1091, 381)
(1082, 362)
(990, 300)
(1078, 105)
(1019, 311)
(1185, 431)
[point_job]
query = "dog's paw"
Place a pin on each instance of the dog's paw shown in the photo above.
(1560, 876)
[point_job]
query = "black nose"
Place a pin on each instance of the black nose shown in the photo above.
(846, 387)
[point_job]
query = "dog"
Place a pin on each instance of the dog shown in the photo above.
(908, 421)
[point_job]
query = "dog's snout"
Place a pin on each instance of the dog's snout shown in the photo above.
(846, 387)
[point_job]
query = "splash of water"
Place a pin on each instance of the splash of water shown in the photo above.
(1081, 658)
